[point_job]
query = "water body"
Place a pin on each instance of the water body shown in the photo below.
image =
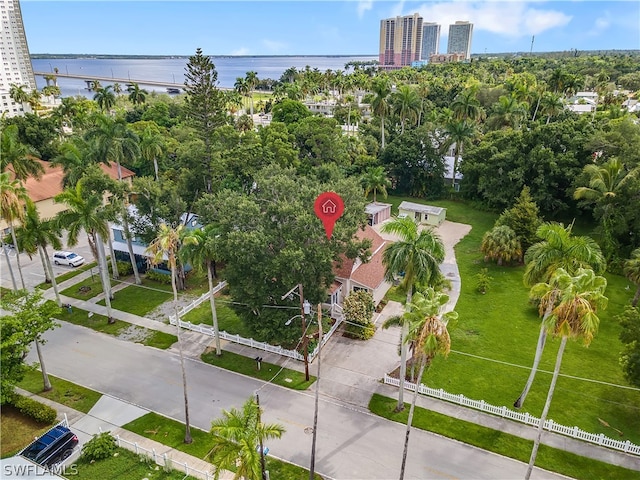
(172, 70)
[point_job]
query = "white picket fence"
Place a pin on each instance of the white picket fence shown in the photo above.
(249, 342)
(550, 425)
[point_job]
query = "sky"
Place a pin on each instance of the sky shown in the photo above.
(330, 27)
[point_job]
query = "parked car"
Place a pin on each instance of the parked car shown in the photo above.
(53, 447)
(67, 258)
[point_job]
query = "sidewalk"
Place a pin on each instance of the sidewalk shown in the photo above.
(109, 414)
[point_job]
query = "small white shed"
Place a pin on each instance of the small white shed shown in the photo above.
(424, 214)
(377, 212)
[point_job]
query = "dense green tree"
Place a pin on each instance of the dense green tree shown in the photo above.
(20, 156)
(523, 218)
(631, 270)
(458, 133)
(29, 317)
(502, 245)
(289, 111)
(319, 141)
(279, 145)
(574, 301)
(630, 337)
(204, 108)
(40, 134)
(374, 179)
(405, 103)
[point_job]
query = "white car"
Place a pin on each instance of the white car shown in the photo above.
(68, 258)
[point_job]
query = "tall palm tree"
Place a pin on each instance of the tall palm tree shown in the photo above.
(405, 102)
(34, 236)
(457, 133)
(380, 105)
(508, 112)
(501, 244)
(428, 336)
(13, 197)
(574, 301)
(466, 106)
(105, 98)
(556, 249)
(151, 147)
(606, 182)
(137, 95)
(252, 82)
(235, 436)
(116, 142)
(21, 157)
(631, 270)
(201, 249)
(18, 93)
(551, 104)
(76, 158)
(375, 179)
(165, 248)
(242, 87)
(85, 212)
(417, 255)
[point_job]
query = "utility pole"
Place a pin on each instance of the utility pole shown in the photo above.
(315, 415)
(263, 466)
(305, 340)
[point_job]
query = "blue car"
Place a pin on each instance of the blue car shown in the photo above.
(53, 447)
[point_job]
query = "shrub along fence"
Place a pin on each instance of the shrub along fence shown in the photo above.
(550, 425)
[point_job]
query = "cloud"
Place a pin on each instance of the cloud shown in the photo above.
(363, 6)
(510, 19)
(600, 25)
(274, 47)
(241, 51)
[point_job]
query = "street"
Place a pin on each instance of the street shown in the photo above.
(351, 443)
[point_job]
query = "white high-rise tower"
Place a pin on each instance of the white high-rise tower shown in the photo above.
(430, 39)
(14, 57)
(460, 39)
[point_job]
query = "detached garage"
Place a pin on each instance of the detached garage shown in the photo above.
(423, 214)
(377, 213)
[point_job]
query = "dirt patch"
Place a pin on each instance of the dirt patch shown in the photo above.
(134, 333)
(164, 311)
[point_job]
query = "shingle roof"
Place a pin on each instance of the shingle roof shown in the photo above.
(370, 274)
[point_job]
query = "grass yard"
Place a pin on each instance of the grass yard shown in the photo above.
(228, 320)
(501, 443)
(85, 289)
(493, 343)
(125, 466)
(17, 430)
(66, 393)
(141, 299)
(70, 274)
(247, 366)
(171, 433)
(119, 329)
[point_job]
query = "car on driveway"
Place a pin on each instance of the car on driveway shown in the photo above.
(68, 258)
(53, 447)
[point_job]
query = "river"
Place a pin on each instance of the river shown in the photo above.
(172, 70)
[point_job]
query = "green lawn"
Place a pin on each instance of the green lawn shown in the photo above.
(70, 274)
(493, 343)
(125, 465)
(66, 393)
(247, 366)
(501, 443)
(228, 320)
(85, 289)
(171, 433)
(120, 329)
(17, 430)
(141, 299)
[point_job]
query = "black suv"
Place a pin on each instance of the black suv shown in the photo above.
(52, 447)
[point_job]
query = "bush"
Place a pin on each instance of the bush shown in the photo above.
(101, 446)
(156, 276)
(38, 411)
(358, 309)
(124, 268)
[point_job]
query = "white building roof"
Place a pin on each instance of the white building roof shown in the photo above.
(417, 207)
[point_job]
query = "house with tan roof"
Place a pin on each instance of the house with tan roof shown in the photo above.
(354, 274)
(43, 190)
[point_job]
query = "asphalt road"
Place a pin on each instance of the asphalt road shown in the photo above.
(351, 444)
(32, 268)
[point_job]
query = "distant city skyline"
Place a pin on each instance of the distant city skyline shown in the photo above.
(331, 27)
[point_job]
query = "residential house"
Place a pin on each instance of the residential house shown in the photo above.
(353, 274)
(423, 214)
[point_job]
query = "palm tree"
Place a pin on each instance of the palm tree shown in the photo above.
(76, 159)
(18, 93)
(151, 147)
(85, 212)
(631, 270)
(405, 102)
(375, 179)
(428, 336)
(200, 248)
(252, 81)
(457, 133)
(551, 104)
(21, 157)
(137, 95)
(380, 105)
(165, 247)
(235, 436)
(417, 255)
(501, 244)
(574, 302)
(116, 142)
(13, 196)
(105, 98)
(35, 235)
(508, 112)
(606, 182)
(242, 87)
(466, 106)
(557, 249)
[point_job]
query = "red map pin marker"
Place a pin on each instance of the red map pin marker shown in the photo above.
(328, 207)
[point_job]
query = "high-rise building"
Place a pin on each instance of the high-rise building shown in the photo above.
(15, 58)
(460, 39)
(430, 40)
(400, 41)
